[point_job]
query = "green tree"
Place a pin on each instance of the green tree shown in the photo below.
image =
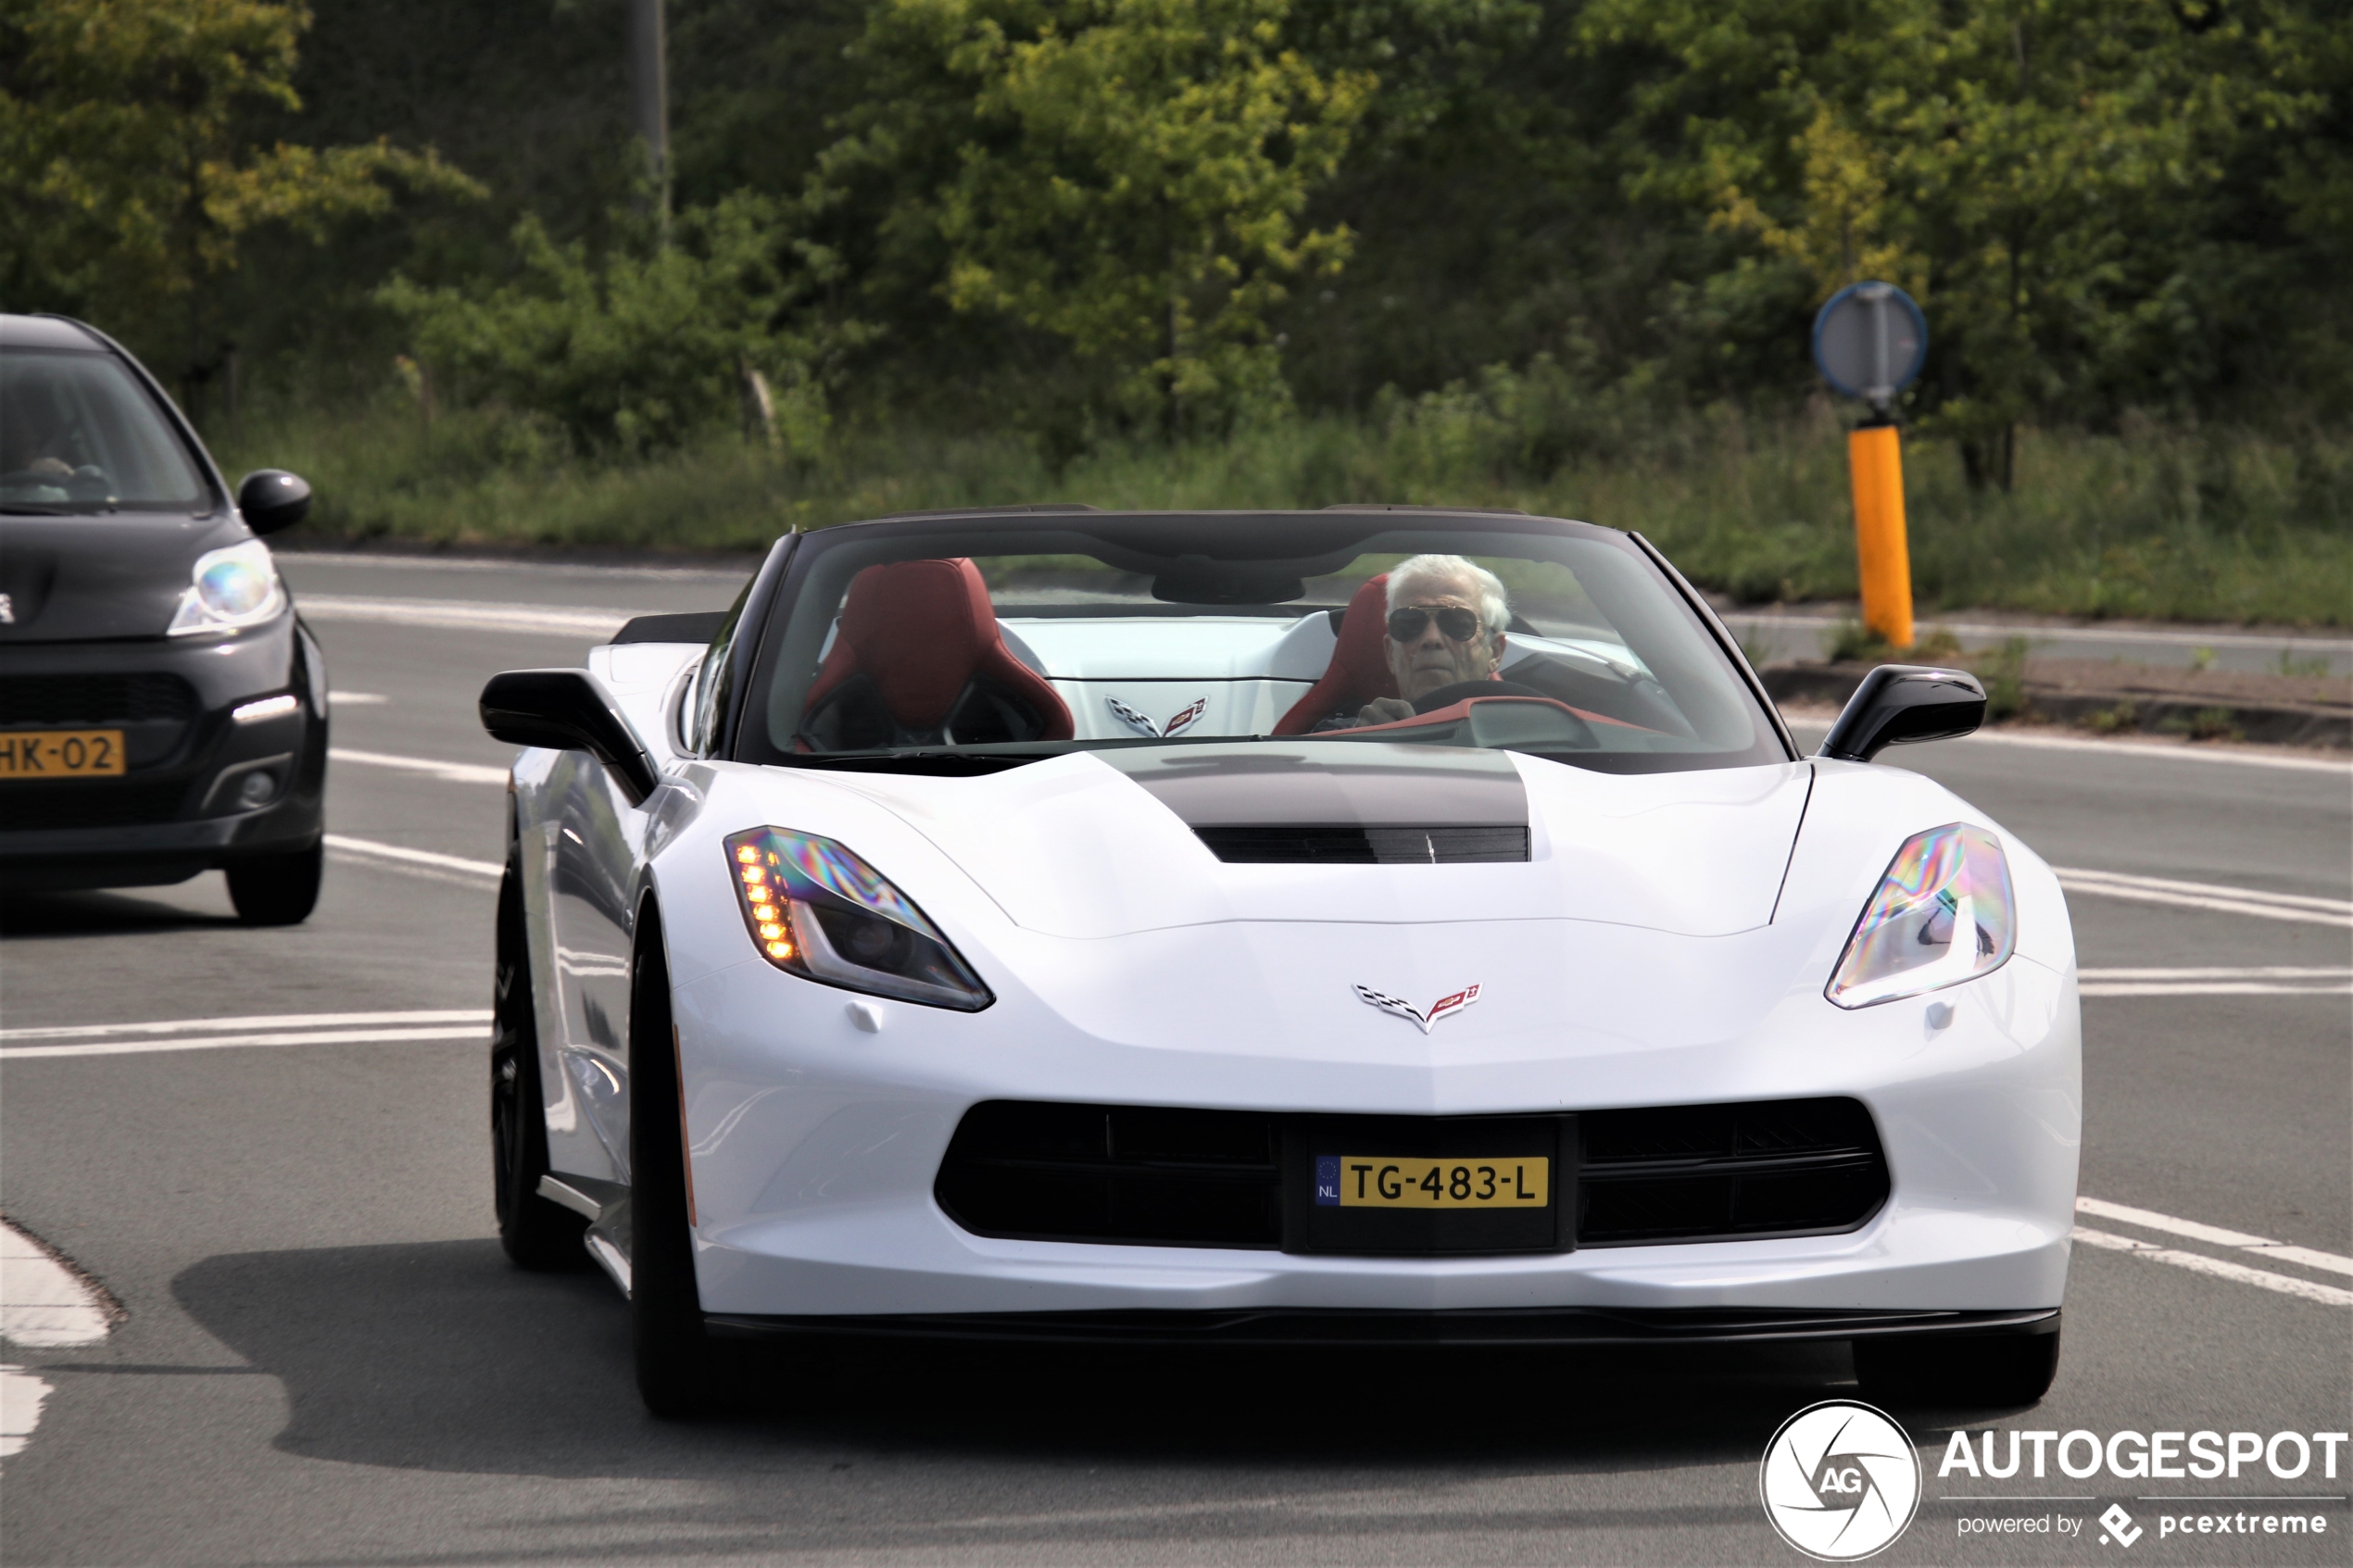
(127, 160)
(2043, 174)
(1128, 175)
(645, 347)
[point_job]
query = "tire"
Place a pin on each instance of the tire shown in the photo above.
(677, 1375)
(535, 1233)
(1960, 1372)
(277, 889)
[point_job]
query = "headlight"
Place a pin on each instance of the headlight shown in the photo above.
(1942, 914)
(815, 909)
(234, 587)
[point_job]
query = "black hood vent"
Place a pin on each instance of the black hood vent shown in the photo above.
(1316, 844)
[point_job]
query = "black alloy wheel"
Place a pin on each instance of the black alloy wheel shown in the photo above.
(535, 1233)
(277, 889)
(2006, 1370)
(677, 1360)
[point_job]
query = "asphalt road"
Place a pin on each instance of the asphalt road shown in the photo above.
(325, 1357)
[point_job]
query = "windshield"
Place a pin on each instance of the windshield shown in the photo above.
(967, 644)
(79, 435)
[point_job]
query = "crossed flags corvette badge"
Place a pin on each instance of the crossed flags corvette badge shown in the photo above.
(1428, 1017)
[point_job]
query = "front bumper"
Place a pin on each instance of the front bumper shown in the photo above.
(815, 1143)
(176, 811)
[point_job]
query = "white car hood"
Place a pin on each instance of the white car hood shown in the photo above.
(1076, 847)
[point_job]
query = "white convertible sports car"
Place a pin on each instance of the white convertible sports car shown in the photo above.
(1371, 925)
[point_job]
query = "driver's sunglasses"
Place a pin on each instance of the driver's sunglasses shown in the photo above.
(1455, 624)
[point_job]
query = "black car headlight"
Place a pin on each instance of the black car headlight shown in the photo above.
(815, 909)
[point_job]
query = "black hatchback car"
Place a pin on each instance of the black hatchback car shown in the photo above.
(163, 711)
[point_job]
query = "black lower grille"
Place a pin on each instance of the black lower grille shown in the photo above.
(1352, 845)
(1102, 1173)
(1705, 1172)
(1214, 1178)
(94, 699)
(88, 803)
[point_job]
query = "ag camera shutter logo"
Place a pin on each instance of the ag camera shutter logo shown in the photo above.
(1839, 1481)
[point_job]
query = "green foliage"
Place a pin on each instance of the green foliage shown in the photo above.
(641, 349)
(1126, 175)
(127, 160)
(2032, 171)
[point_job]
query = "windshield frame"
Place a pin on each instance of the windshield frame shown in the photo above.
(1347, 528)
(214, 499)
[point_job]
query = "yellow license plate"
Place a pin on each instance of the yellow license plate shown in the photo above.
(1510, 1180)
(60, 753)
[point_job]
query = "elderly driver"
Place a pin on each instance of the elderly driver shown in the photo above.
(1446, 620)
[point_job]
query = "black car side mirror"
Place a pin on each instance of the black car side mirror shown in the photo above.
(568, 710)
(271, 499)
(1900, 703)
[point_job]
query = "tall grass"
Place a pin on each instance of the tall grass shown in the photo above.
(2153, 523)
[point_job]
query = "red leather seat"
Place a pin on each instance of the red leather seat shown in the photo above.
(1359, 669)
(918, 660)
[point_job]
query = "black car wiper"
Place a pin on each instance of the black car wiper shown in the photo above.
(20, 508)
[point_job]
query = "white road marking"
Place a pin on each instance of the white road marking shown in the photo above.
(21, 1396)
(217, 1033)
(2337, 647)
(2274, 980)
(357, 699)
(2148, 1218)
(2249, 901)
(402, 854)
(456, 772)
(2286, 1284)
(220, 1042)
(255, 1021)
(580, 621)
(41, 1305)
(2248, 757)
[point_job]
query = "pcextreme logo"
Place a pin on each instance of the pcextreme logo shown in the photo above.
(1839, 1481)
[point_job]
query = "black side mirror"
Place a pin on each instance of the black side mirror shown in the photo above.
(1899, 703)
(271, 499)
(568, 710)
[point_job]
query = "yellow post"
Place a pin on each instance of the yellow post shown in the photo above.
(1878, 463)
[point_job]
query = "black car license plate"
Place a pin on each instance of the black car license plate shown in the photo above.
(1396, 1185)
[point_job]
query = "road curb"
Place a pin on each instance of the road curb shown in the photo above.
(2118, 712)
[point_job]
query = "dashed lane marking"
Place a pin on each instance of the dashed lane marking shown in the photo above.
(456, 772)
(2273, 980)
(2251, 901)
(401, 855)
(2196, 1230)
(217, 1034)
(2198, 1263)
(582, 621)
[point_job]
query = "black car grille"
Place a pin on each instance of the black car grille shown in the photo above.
(94, 699)
(1707, 1171)
(1325, 846)
(1106, 1172)
(1170, 1177)
(88, 803)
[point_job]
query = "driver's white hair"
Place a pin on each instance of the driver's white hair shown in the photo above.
(1453, 572)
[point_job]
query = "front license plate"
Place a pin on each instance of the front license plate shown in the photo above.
(60, 753)
(1378, 1182)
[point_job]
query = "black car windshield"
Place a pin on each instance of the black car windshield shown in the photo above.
(964, 645)
(79, 435)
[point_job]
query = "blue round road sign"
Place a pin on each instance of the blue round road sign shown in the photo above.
(1870, 342)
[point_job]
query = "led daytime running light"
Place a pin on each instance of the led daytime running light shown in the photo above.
(817, 910)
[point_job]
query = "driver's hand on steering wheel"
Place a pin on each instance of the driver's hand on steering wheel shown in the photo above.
(1385, 710)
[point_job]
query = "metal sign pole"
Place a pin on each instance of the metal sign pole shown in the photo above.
(1870, 342)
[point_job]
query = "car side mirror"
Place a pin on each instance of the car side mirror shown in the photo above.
(1897, 704)
(270, 499)
(568, 710)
